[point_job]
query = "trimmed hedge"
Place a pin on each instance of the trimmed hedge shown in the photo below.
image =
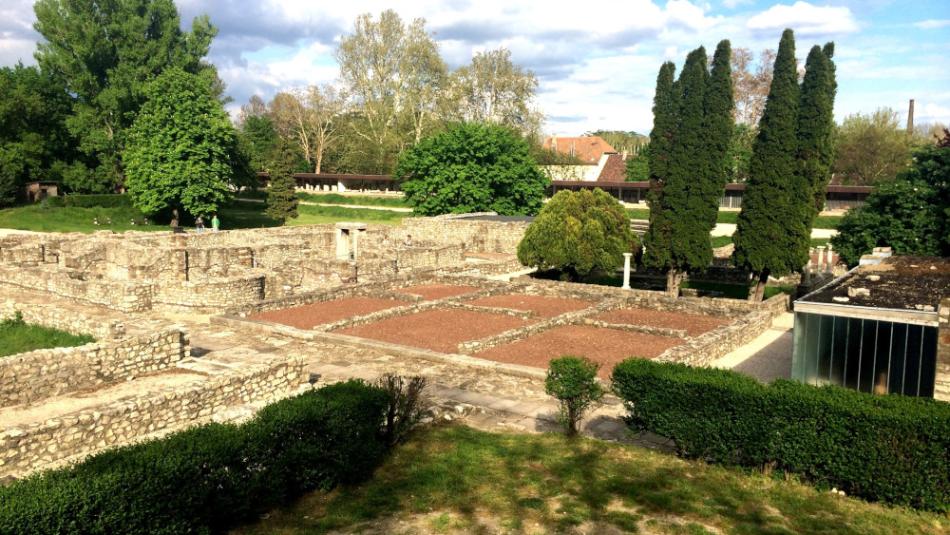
(890, 448)
(209, 478)
(98, 201)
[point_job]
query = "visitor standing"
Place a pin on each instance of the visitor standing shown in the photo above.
(215, 223)
(199, 225)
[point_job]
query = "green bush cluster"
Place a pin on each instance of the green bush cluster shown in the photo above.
(889, 448)
(211, 477)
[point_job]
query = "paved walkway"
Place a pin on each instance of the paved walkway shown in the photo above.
(766, 358)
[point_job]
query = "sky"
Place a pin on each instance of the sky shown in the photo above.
(596, 62)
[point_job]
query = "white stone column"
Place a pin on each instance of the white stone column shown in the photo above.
(356, 240)
(341, 248)
(821, 258)
(626, 270)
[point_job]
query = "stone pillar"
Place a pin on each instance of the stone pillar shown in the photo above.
(354, 250)
(626, 270)
(831, 258)
(342, 251)
(942, 379)
(821, 259)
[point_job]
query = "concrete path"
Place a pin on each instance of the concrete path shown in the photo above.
(728, 229)
(766, 358)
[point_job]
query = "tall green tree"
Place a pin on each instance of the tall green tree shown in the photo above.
(816, 126)
(657, 238)
(181, 147)
(281, 195)
(718, 135)
(771, 225)
(107, 52)
(871, 148)
(472, 167)
(34, 141)
(681, 201)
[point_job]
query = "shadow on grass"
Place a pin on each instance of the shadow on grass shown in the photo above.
(456, 478)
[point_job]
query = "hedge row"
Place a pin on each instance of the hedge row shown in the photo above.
(890, 448)
(91, 201)
(212, 477)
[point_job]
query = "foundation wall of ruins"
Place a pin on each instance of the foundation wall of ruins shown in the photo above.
(125, 296)
(46, 444)
(475, 236)
(35, 375)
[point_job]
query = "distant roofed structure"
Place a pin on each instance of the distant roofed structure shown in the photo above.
(587, 149)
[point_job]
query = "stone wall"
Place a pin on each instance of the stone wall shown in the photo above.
(148, 415)
(35, 375)
(474, 236)
(125, 296)
(713, 345)
(942, 379)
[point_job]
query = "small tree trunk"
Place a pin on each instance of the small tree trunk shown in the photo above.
(758, 292)
(673, 280)
(571, 420)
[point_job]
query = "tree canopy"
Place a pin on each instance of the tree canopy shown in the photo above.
(281, 195)
(871, 148)
(106, 53)
(578, 233)
(911, 214)
(181, 147)
(472, 167)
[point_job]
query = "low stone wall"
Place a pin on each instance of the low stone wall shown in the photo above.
(46, 444)
(713, 345)
(125, 296)
(37, 375)
(942, 379)
(57, 317)
(473, 235)
(210, 296)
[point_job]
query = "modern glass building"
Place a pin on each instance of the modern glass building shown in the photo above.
(876, 328)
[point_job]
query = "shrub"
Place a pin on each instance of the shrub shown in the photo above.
(889, 448)
(578, 233)
(573, 381)
(211, 477)
(97, 201)
(472, 167)
(407, 405)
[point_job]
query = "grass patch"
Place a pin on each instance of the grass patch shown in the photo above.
(315, 215)
(732, 217)
(39, 218)
(16, 336)
(364, 200)
(720, 241)
(454, 478)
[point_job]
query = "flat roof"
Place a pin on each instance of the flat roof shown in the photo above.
(901, 286)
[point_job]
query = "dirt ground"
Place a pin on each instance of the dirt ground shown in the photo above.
(438, 330)
(541, 305)
(693, 324)
(606, 347)
(431, 292)
(306, 316)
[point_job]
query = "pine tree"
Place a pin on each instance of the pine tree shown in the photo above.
(281, 197)
(657, 238)
(771, 225)
(720, 131)
(680, 202)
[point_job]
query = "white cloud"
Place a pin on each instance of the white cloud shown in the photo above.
(732, 4)
(932, 24)
(805, 19)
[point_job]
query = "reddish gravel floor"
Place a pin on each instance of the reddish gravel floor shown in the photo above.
(306, 316)
(606, 347)
(431, 292)
(438, 330)
(693, 324)
(541, 305)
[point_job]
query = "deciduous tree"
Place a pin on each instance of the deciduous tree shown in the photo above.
(871, 148)
(751, 82)
(106, 52)
(472, 167)
(180, 148)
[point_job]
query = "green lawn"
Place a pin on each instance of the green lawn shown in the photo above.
(313, 215)
(19, 337)
(364, 200)
(71, 219)
(459, 480)
(728, 216)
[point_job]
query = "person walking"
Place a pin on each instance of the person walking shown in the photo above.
(199, 225)
(215, 222)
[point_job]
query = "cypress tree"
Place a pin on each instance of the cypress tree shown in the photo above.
(657, 238)
(281, 197)
(770, 224)
(720, 129)
(681, 200)
(816, 123)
